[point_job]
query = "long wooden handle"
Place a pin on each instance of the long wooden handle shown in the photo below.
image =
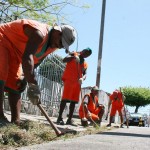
(95, 123)
(57, 131)
(82, 102)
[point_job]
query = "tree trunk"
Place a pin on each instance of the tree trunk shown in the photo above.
(136, 109)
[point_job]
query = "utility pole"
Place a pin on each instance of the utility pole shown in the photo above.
(100, 44)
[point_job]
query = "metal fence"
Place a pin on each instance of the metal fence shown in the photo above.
(48, 75)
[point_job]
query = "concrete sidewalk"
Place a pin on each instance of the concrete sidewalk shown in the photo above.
(65, 128)
(133, 138)
(41, 119)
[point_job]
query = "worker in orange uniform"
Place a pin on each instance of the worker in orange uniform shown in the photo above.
(73, 76)
(23, 45)
(90, 109)
(117, 103)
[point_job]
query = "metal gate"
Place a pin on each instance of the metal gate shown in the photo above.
(48, 75)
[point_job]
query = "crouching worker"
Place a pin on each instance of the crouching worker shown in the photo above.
(90, 109)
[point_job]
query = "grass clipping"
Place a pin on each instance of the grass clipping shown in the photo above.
(31, 132)
(27, 133)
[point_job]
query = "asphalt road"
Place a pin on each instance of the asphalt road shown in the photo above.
(132, 138)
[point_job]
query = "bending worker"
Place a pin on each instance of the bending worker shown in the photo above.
(73, 76)
(90, 108)
(117, 103)
(23, 45)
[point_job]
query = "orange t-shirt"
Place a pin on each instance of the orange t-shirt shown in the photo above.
(14, 33)
(91, 104)
(74, 70)
(117, 102)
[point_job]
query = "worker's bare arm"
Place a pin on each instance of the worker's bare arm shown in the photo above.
(35, 38)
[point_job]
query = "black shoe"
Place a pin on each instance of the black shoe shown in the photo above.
(60, 121)
(121, 126)
(71, 122)
(109, 125)
(84, 122)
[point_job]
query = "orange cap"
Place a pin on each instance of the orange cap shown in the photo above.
(115, 93)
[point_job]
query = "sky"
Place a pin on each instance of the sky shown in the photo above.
(126, 49)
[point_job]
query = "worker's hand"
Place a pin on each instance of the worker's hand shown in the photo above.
(21, 84)
(89, 114)
(77, 59)
(34, 93)
(101, 106)
(80, 80)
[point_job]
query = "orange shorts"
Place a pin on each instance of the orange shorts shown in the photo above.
(10, 66)
(114, 110)
(71, 91)
(94, 113)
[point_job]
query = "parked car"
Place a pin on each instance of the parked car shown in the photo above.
(134, 119)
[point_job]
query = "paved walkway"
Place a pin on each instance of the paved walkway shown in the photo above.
(132, 138)
(77, 128)
(53, 144)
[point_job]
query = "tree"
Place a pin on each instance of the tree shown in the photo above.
(48, 11)
(136, 96)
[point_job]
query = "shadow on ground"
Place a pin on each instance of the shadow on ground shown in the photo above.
(125, 134)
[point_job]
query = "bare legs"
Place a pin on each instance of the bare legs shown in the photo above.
(110, 120)
(71, 111)
(121, 119)
(15, 105)
(100, 115)
(1, 101)
(61, 109)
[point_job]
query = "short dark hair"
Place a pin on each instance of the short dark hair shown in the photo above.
(88, 49)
